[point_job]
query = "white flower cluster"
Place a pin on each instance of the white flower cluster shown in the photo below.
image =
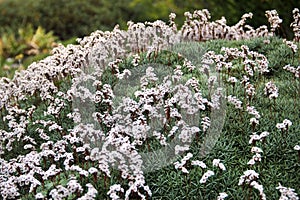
(253, 63)
(232, 80)
(222, 196)
(183, 164)
(260, 188)
(296, 24)
(197, 27)
(248, 177)
(205, 124)
(284, 126)
(180, 165)
(297, 148)
(274, 20)
(257, 155)
(113, 190)
(206, 175)
(198, 163)
(255, 137)
(291, 45)
(91, 193)
(254, 122)
(218, 163)
(253, 140)
(250, 90)
(295, 71)
(252, 111)
(235, 101)
(287, 193)
(271, 90)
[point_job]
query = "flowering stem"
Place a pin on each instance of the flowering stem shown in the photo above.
(250, 193)
(105, 177)
(271, 109)
(295, 94)
(75, 155)
(197, 137)
(44, 161)
(186, 185)
(274, 107)
(148, 145)
(233, 86)
(282, 133)
(95, 177)
(253, 127)
(77, 193)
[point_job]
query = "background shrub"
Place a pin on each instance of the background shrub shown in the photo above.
(21, 48)
(66, 19)
(76, 18)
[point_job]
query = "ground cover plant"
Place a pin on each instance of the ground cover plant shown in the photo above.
(207, 111)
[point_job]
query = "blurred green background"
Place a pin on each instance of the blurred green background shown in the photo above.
(76, 18)
(29, 28)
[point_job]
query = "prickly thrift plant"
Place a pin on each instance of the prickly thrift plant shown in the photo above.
(91, 120)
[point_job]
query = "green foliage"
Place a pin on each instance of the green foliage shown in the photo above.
(155, 9)
(27, 41)
(65, 18)
(21, 48)
(71, 18)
